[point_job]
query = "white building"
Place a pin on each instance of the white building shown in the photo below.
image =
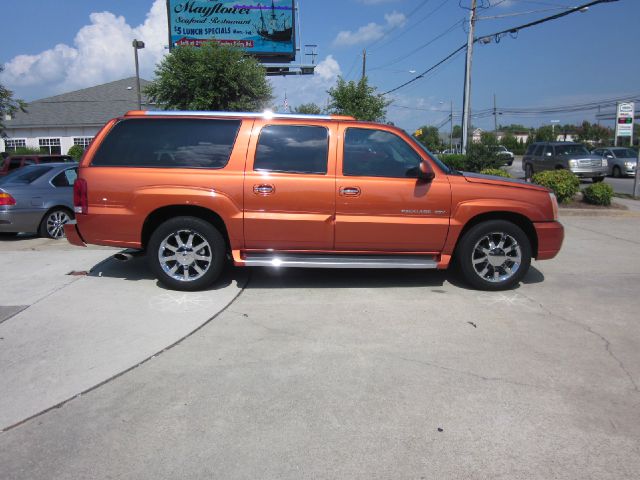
(53, 125)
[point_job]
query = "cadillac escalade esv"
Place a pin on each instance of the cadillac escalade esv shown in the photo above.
(195, 188)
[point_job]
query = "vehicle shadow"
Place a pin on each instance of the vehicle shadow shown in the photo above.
(137, 269)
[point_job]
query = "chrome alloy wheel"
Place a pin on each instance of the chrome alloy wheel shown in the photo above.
(185, 255)
(55, 223)
(496, 257)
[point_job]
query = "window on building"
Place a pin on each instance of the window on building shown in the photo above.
(82, 141)
(292, 149)
(13, 144)
(50, 146)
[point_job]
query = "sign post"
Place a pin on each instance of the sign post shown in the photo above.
(624, 121)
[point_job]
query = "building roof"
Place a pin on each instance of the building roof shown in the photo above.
(92, 106)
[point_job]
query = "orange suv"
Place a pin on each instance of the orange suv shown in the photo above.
(191, 188)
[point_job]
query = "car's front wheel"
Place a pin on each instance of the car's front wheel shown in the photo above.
(494, 255)
(186, 253)
(52, 225)
(617, 173)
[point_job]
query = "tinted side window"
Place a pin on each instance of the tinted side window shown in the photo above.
(292, 149)
(530, 149)
(377, 153)
(15, 163)
(168, 143)
(538, 151)
(66, 178)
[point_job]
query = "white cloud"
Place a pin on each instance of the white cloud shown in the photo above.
(370, 32)
(307, 89)
(102, 52)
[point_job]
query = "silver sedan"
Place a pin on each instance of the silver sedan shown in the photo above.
(622, 161)
(37, 199)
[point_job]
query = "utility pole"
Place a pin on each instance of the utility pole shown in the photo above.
(495, 116)
(451, 131)
(466, 100)
(364, 63)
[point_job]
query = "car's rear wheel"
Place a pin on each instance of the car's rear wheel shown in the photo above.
(494, 255)
(528, 172)
(597, 179)
(186, 253)
(52, 224)
(617, 172)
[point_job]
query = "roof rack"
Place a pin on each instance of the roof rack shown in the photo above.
(266, 114)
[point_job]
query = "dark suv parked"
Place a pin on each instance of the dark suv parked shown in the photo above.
(9, 163)
(558, 155)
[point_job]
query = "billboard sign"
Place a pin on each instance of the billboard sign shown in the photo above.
(261, 28)
(624, 119)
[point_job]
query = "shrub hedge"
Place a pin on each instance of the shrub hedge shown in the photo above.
(563, 183)
(498, 172)
(598, 194)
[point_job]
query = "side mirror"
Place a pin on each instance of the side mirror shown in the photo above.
(609, 155)
(425, 173)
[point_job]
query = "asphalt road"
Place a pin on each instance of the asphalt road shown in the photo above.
(368, 374)
(619, 185)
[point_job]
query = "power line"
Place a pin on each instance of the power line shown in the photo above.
(497, 35)
(394, 28)
(424, 45)
(459, 49)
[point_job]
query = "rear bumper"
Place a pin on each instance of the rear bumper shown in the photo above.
(19, 220)
(73, 235)
(550, 238)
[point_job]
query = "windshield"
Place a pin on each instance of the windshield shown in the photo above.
(25, 175)
(625, 153)
(571, 149)
(445, 168)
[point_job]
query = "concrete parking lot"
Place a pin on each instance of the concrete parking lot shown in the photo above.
(323, 374)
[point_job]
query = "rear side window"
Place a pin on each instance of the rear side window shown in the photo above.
(168, 143)
(66, 178)
(292, 149)
(25, 176)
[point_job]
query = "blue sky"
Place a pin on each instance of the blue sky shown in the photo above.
(53, 47)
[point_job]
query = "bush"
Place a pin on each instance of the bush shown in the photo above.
(76, 152)
(455, 161)
(563, 183)
(498, 172)
(598, 194)
(480, 157)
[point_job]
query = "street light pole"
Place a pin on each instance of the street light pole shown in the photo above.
(137, 45)
(451, 131)
(466, 102)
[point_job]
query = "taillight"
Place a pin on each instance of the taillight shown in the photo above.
(6, 199)
(80, 197)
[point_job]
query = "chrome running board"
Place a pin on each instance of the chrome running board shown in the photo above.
(339, 261)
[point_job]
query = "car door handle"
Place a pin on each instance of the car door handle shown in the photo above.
(349, 191)
(263, 189)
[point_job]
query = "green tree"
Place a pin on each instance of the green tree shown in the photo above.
(488, 139)
(545, 134)
(429, 137)
(357, 99)
(307, 108)
(457, 131)
(211, 77)
(510, 142)
(8, 104)
(76, 152)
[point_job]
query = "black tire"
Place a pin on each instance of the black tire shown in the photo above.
(475, 263)
(597, 179)
(207, 242)
(617, 173)
(52, 224)
(528, 172)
